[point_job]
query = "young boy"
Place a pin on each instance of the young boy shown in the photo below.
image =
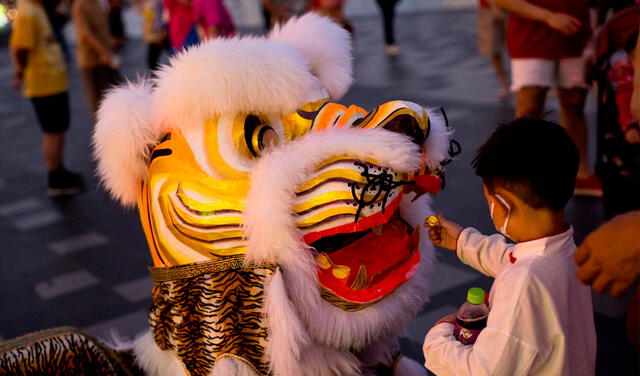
(541, 319)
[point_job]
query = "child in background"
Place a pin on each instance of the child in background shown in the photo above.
(541, 318)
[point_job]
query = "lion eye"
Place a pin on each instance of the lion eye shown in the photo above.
(259, 136)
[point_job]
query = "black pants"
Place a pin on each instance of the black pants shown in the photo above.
(96, 81)
(388, 14)
(153, 55)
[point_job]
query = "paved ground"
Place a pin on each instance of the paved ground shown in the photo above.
(83, 261)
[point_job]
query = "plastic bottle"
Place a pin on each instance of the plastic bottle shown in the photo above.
(471, 318)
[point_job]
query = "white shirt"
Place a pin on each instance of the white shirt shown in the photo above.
(541, 318)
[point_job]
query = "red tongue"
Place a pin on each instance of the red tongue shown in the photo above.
(376, 253)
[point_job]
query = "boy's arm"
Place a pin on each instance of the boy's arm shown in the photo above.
(486, 254)
(507, 346)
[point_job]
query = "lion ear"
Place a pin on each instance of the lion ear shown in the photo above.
(121, 140)
(325, 45)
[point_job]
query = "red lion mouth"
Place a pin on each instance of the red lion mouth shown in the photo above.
(364, 261)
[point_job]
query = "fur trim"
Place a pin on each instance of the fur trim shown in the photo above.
(228, 366)
(153, 360)
(228, 76)
(286, 333)
(437, 144)
(325, 45)
(121, 140)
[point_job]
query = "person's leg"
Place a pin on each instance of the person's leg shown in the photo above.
(52, 149)
(498, 67)
(53, 115)
(572, 118)
(91, 91)
(153, 55)
(530, 101)
(572, 93)
(387, 7)
(530, 81)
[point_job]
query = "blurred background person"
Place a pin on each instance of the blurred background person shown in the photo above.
(281, 10)
(333, 9)
(116, 26)
(97, 62)
(618, 136)
(546, 40)
(58, 14)
(153, 30)
(491, 29)
(388, 10)
(182, 28)
(213, 19)
(40, 70)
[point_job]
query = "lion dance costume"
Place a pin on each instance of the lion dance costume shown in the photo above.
(285, 229)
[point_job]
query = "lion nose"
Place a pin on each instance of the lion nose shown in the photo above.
(407, 125)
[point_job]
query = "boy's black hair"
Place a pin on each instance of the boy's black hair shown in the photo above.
(532, 158)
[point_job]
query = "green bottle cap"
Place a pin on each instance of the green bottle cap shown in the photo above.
(475, 295)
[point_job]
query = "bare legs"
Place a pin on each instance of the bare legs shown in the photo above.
(52, 149)
(573, 120)
(498, 67)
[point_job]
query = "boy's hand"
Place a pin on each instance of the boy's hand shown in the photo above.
(450, 318)
(446, 235)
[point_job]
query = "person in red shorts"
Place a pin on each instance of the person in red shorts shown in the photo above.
(546, 39)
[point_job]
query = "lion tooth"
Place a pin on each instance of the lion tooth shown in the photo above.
(377, 230)
(341, 271)
(362, 281)
(323, 261)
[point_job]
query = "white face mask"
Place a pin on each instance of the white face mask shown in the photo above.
(503, 228)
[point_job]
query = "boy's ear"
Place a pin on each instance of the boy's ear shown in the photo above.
(503, 199)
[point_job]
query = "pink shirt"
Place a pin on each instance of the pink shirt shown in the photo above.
(213, 13)
(181, 21)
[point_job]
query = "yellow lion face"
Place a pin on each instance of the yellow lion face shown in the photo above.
(193, 204)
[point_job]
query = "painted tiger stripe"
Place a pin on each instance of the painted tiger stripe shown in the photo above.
(351, 114)
(201, 207)
(324, 214)
(328, 115)
(329, 197)
(343, 173)
(207, 249)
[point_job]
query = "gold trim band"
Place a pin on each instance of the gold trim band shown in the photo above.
(164, 274)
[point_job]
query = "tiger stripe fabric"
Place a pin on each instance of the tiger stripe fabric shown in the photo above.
(213, 315)
(62, 351)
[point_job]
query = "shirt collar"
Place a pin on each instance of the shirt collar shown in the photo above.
(544, 246)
